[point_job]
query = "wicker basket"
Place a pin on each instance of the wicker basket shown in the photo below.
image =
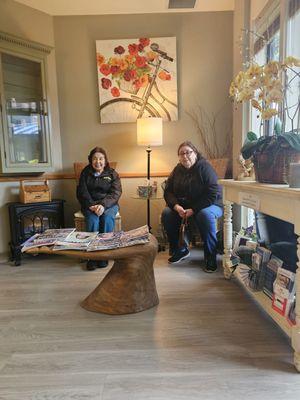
(79, 221)
(274, 168)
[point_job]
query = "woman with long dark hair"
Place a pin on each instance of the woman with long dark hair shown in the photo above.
(98, 192)
(192, 191)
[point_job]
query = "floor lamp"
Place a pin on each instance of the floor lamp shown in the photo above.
(149, 133)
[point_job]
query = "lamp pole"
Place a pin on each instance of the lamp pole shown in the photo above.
(148, 178)
(149, 133)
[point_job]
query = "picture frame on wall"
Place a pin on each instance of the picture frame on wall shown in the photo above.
(137, 78)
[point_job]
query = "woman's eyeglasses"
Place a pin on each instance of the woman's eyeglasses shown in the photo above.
(186, 153)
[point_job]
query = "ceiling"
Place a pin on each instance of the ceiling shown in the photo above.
(101, 7)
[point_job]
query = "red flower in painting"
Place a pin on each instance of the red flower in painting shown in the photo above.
(144, 42)
(105, 83)
(114, 69)
(119, 50)
(130, 74)
(133, 73)
(133, 49)
(115, 92)
(105, 69)
(137, 84)
(127, 75)
(140, 47)
(140, 62)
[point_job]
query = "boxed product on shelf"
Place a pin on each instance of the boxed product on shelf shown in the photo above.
(270, 275)
(284, 284)
(265, 255)
(259, 262)
(283, 291)
(280, 304)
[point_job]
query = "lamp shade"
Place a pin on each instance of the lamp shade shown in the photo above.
(149, 131)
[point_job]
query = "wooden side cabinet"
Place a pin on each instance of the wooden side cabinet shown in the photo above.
(27, 219)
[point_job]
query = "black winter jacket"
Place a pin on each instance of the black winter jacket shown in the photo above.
(194, 187)
(104, 189)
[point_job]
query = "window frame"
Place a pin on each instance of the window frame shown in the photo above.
(260, 25)
(10, 44)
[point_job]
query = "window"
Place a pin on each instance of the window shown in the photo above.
(292, 120)
(25, 142)
(266, 48)
(268, 45)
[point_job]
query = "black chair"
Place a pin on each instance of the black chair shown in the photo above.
(279, 237)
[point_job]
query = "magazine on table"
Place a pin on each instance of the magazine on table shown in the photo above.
(114, 240)
(47, 238)
(53, 235)
(76, 241)
(105, 241)
(29, 242)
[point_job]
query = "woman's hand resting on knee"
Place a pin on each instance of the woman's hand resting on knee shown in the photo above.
(182, 212)
(98, 209)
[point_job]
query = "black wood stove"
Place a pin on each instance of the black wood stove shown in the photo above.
(28, 219)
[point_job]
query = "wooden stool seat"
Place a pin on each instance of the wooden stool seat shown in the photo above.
(129, 286)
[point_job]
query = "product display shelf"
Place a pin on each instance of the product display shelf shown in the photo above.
(266, 303)
(279, 201)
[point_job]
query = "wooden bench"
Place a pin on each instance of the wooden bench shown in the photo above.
(129, 286)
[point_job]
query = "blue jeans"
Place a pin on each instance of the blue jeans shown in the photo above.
(205, 220)
(103, 224)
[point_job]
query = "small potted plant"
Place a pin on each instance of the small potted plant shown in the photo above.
(267, 88)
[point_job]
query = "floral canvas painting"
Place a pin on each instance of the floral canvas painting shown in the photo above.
(137, 78)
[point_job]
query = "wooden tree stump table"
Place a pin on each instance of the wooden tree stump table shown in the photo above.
(129, 287)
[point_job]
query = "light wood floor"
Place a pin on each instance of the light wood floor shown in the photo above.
(205, 340)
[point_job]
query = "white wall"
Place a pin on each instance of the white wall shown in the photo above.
(30, 24)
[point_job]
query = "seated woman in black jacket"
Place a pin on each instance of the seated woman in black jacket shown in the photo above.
(98, 192)
(192, 191)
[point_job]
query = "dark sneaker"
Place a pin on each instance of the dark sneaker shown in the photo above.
(91, 265)
(211, 268)
(178, 256)
(211, 264)
(101, 264)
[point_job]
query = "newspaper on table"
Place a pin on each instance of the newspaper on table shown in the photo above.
(115, 240)
(75, 241)
(47, 238)
(69, 239)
